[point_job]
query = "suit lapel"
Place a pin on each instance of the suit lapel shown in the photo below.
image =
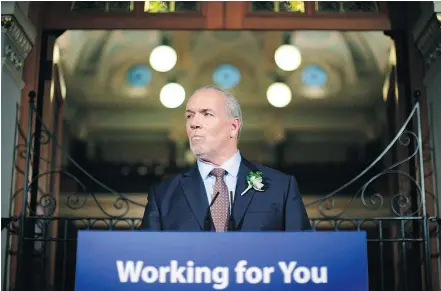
(241, 203)
(194, 191)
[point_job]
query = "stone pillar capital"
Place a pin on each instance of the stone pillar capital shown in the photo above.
(18, 27)
(18, 36)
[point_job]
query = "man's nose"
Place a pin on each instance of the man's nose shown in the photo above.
(195, 123)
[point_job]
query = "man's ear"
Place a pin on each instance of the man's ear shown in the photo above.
(235, 126)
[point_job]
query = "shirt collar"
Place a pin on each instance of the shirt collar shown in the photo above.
(231, 166)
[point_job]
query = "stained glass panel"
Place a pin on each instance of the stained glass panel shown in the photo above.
(360, 6)
(89, 6)
(348, 6)
(170, 6)
(278, 6)
(328, 6)
(187, 6)
(120, 6)
(262, 6)
(112, 6)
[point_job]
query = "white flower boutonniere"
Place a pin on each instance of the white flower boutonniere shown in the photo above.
(255, 181)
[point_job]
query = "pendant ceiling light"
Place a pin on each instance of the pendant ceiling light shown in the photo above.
(172, 95)
(287, 57)
(163, 58)
(279, 94)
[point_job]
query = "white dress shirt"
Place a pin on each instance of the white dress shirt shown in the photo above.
(231, 166)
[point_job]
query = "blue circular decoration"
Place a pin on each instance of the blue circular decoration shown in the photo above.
(314, 76)
(139, 76)
(226, 76)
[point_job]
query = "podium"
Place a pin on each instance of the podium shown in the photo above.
(196, 261)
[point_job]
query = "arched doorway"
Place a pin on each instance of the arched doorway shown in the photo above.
(216, 16)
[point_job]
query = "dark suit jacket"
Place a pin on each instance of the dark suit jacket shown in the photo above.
(181, 204)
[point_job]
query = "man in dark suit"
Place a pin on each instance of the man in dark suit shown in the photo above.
(223, 191)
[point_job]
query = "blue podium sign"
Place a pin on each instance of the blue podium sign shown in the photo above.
(165, 261)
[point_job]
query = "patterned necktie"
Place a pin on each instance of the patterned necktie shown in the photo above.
(220, 206)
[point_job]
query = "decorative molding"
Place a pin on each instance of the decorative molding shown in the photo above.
(11, 70)
(14, 57)
(19, 11)
(426, 12)
(17, 36)
(431, 75)
(429, 42)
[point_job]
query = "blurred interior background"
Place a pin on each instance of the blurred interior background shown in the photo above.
(313, 103)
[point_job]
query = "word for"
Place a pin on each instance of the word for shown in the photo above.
(219, 277)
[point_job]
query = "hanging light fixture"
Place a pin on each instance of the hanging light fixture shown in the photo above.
(279, 94)
(163, 58)
(287, 56)
(172, 95)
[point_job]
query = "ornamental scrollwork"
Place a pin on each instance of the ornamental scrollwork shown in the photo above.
(400, 203)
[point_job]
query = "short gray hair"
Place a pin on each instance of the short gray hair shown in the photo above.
(232, 104)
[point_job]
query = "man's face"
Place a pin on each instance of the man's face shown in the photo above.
(210, 131)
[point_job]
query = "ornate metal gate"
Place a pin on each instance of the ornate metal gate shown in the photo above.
(41, 244)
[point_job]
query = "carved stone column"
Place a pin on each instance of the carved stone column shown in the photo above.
(17, 40)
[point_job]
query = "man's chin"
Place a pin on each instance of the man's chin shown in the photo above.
(198, 153)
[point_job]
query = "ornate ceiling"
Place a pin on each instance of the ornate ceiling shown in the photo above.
(345, 72)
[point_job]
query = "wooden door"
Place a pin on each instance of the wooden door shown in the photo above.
(133, 15)
(329, 15)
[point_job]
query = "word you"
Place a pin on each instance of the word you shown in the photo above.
(219, 277)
